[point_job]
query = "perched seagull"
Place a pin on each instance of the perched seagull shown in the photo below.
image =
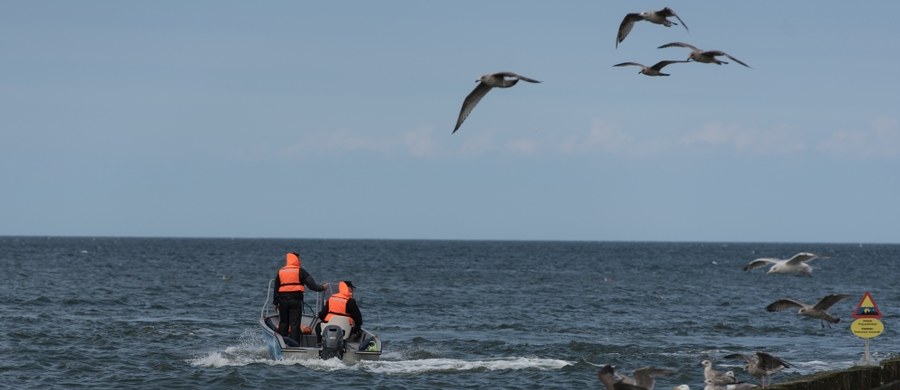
(761, 365)
(658, 17)
(643, 378)
(819, 310)
(485, 83)
(796, 264)
(717, 377)
(705, 56)
(712, 386)
(655, 70)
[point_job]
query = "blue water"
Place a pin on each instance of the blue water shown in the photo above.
(182, 313)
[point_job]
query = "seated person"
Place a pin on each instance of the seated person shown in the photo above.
(342, 304)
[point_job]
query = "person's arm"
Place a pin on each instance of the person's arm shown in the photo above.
(308, 280)
(276, 286)
(324, 311)
(354, 312)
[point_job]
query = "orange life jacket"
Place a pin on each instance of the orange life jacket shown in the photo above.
(337, 304)
(289, 275)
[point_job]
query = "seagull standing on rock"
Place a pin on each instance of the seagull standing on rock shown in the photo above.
(643, 378)
(485, 84)
(717, 377)
(712, 386)
(761, 365)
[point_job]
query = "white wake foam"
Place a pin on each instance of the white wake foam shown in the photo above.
(252, 350)
(239, 356)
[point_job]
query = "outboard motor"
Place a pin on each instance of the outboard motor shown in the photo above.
(332, 342)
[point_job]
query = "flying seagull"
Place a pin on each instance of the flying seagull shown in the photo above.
(485, 83)
(819, 310)
(705, 56)
(796, 264)
(655, 70)
(761, 365)
(658, 17)
(643, 378)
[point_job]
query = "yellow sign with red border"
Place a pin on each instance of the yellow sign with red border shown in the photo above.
(867, 328)
(867, 308)
(868, 318)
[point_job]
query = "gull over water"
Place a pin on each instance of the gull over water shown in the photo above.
(819, 310)
(795, 265)
(485, 84)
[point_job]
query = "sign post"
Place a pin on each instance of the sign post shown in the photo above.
(867, 325)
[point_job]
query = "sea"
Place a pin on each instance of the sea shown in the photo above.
(182, 313)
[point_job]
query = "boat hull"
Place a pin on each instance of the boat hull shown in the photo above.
(307, 348)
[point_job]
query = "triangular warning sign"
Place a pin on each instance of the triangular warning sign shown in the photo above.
(867, 308)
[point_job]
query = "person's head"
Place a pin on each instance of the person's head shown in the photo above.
(292, 259)
(345, 288)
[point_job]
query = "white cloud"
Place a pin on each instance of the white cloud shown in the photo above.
(337, 141)
(601, 136)
(523, 146)
(421, 143)
(479, 144)
(880, 140)
(779, 139)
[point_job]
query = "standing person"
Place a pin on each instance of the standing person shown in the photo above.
(288, 294)
(342, 304)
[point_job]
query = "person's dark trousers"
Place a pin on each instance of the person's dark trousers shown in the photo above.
(290, 310)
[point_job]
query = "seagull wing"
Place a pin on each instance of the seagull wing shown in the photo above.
(668, 12)
(630, 63)
(782, 304)
(828, 301)
(517, 76)
(723, 377)
(770, 362)
(626, 25)
(801, 257)
(746, 358)
(722, 53)
(760, 262)
(643, 377)
(474, 97)
(679, 44)
(606, 376)
(662, 64)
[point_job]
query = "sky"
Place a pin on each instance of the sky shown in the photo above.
(287, 119)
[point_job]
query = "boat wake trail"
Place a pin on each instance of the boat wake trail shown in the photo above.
(458, 365)
(242, 356)
(251, 349)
